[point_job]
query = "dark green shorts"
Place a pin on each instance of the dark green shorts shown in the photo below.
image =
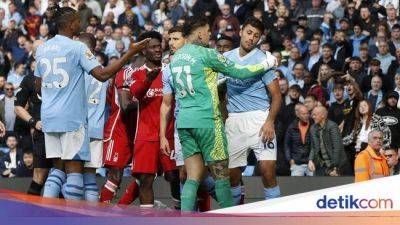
(210, 142)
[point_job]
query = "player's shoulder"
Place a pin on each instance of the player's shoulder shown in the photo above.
(127, 74)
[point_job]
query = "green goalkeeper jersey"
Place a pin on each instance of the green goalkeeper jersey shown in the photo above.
(194, 72)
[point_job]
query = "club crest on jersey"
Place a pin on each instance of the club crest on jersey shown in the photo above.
(89, 54)
(154, 92)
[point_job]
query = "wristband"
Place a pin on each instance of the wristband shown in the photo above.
(32, 122)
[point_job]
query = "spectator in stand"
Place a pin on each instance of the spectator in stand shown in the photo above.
(343, 48)
(335, 111)
(319, 90)
(289, 110)
(281, 67)
(310, 101)
(375, 70)
(123, 18)
(364, 56)
(241, 10)
(25, 166)
(367, 21)
(313, 55)
(351, 13)
(357, 38)
(32, 22)
(206, 8)
(279, 32)
(160, 14)
(375, 95)
(315, 14)
(284, 90)
(295, 10)
(397, 88)
(7, 105)
(114, 6)
(13, 14)
(298, 143)
(308, 83)
(295, 57)
(370, 163)
(344, 25)
(340, 10)
(327, 156)
(298, 75)
(327, 58)
(10, 161)
(357, 140)
(43, 32)
(95, 7)
(392, 157)
(16, 76)
(85, 13)
(390, 114)
(300, 40)
(175, 10)
(18, 51)
(110, 20)
(2, 84)
(392, 18)
(229, 17)
(384, 56)
(355, 73)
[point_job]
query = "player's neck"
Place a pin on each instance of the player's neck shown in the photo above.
(66, 34)
(152, 65)
(243, 52)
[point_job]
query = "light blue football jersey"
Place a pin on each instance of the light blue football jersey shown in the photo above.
(96, 92)
(249, 94)
(168, 87)
(62, 63)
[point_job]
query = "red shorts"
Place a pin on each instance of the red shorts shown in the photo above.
(117, 152)
(147, 157)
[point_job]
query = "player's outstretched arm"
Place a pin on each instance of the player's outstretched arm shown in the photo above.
(165, 116)
(104, 73)
(221, 64)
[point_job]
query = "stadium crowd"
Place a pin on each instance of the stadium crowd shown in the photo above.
(338, 69)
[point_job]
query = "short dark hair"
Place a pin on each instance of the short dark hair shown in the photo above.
(327, 45)
(396, 26)
(337, 86)
(150, 34)
(252, 21)
(63, 16)
(300, 27)
(176, 29)
(89, 39)
(193, 23)
(224, 37)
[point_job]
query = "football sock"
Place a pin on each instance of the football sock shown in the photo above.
(74, 188)
(52, 186)
(91, 189)
(224, 194)
(189, 195)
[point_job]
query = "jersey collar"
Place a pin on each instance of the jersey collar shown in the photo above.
(246, 56)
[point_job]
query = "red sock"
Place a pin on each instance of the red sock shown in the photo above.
(131, 193)
(204, 202)
(108, 191)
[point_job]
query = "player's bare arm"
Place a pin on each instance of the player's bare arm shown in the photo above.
(267, 131)
(165, 116)
(104, 73)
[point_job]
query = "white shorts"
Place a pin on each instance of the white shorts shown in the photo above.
(73, 145)
(178, 150)
(242, 131)
(96, 154)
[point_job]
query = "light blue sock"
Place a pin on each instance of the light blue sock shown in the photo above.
(53, 184)
(236, 194)
(91, 189)
(74, 189)
(274, 192)
(209, 183)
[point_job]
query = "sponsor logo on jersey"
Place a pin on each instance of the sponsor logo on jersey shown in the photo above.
(154, 92)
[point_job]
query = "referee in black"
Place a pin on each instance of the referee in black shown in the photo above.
(27, 107)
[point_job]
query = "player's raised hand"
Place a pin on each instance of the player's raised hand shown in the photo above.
(136, 47)
(164, 146)
(270, 61)
(152, 74)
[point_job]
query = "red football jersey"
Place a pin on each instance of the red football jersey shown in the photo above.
(149, 97)
(119, 123)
